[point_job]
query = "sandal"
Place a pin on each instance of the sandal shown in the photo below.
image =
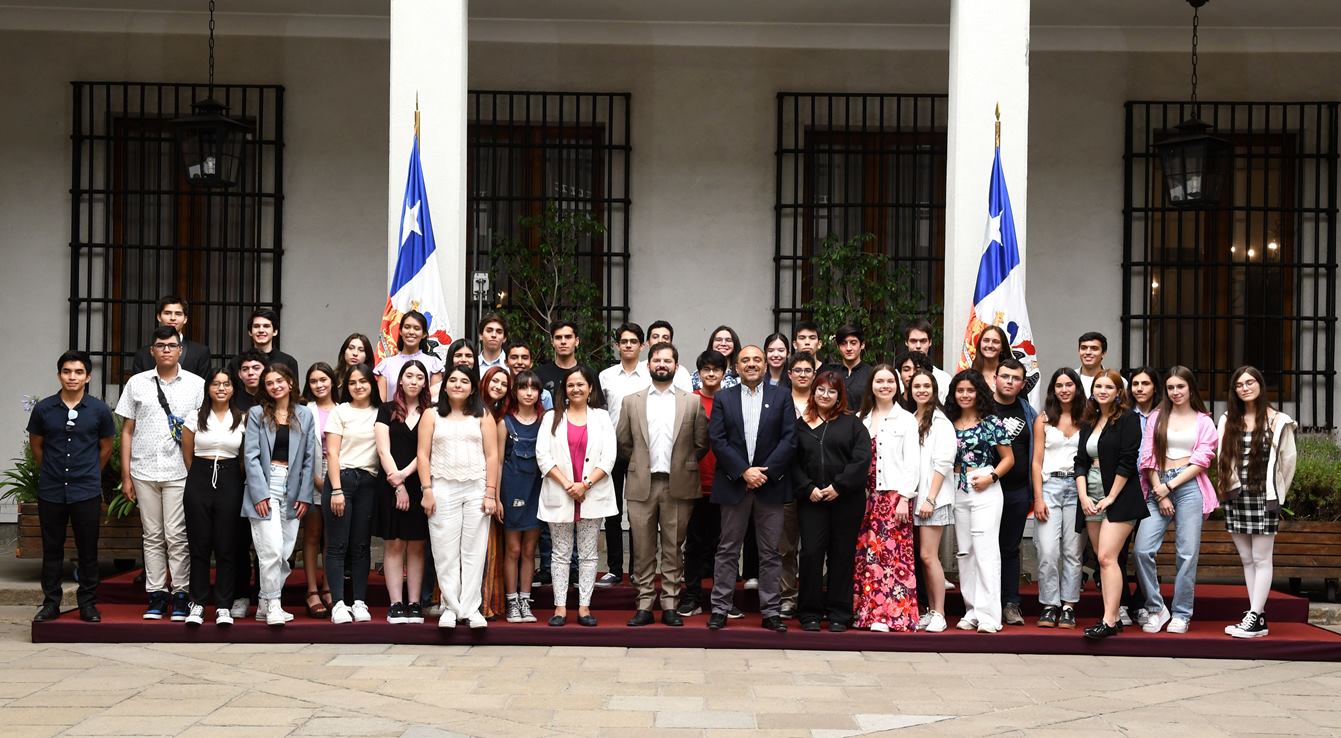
(318, 610)
(327, 599)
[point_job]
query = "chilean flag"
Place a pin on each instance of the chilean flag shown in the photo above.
(416, 284)
(998, 297)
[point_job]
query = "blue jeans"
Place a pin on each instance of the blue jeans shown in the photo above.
(1059, 544)
(1187, 516)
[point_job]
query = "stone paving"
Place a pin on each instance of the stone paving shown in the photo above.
(431, 692)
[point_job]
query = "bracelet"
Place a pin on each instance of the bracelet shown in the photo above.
(337, 493)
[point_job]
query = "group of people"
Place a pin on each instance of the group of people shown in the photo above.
(834, 481)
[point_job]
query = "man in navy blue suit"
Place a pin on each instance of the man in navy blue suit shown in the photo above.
(753, 435)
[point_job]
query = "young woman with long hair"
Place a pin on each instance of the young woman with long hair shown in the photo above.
(885, 579)
(409, 347)
(1110, 502)
(1144, 388)
(725, 341)
(458, 470)
(1255, 469)
(212, 449)
(907, 363)
(520, 493)
(575, 452)
(497, 391)
(984, 455)
(356, 349)
(776, 348)
(937, 447)
(352, 486)
(1057, 500)
(319, 396)
(992, 346)
(281, 459)
(1178, 447)
(398, 511)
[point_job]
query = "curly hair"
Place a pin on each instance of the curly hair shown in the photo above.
(983, 404)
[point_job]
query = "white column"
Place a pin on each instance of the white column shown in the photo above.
(989, 65)
(428, 61)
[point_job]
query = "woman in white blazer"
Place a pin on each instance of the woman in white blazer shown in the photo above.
(935, 499)
(575, 451)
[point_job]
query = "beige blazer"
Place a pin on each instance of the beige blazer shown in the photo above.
(689, 443)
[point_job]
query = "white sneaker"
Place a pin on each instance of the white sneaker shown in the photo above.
(261, 607)
(361, 614)
(196, 616)
(1178, 625)
(751, 583)
(341, 614)
(240, 607)
(1142, 616)
(1156, 622)
(1123, 616)
(949, 585)
(936, 624)
(985, 628)
(967, 624)
(447, 619)
(879, 628)
(476, 620)
(223, 618)
(926, 618)
(275, 615)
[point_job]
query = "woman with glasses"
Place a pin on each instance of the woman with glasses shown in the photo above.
(725, 341)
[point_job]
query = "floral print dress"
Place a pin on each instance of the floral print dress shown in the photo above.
(884, 582)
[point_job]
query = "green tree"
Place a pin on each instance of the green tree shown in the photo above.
(855, 285)
(546, 280)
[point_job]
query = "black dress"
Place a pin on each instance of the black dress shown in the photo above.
(388, 522)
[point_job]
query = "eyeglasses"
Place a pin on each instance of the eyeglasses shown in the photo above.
(802, 372)
(220, 385)
(71, 417)
(165, 346)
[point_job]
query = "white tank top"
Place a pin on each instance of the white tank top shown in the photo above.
(1059, 452)
(458, 449)
(1179, 444)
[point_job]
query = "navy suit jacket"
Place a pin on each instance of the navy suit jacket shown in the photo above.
(773, 447)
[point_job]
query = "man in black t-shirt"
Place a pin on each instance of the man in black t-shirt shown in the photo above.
(263, 328)
(1018, 499)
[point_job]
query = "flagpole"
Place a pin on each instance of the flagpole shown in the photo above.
(998, 124)
(416, 120)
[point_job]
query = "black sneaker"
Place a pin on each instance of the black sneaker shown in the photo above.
(1048, 618)
(1101, 630)
(414, 613)
(1253, 625)
(396, 614)
(181, 606)
(689, 607)
(158, 605)
(735, 613)
(1068, 618)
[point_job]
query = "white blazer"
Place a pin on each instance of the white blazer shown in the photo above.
(897, 454)
(551, 450)
(938, 455)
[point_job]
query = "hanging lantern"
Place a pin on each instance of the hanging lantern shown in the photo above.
(1195, 163)
(210, 143)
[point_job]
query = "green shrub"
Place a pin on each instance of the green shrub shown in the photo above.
(1316, 491)
(19, 482)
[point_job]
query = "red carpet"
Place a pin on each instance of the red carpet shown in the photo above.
(1292, 638)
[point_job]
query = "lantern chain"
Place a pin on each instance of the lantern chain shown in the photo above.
(211, 85)
(1196, 21)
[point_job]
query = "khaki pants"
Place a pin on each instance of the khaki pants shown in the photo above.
(665, 520)
(163, 518)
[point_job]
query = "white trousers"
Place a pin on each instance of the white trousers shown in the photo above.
(163, 519)
(458, 531)
(274, 537)
(977, 525)
(561, 536)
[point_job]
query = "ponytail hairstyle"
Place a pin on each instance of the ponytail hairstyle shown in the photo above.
(1231, 449)
(1166, 407)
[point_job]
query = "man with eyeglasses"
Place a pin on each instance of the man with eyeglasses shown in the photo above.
(1017, 494)
(627, 377)
(154, 405)
(71, 435)
(195, 356)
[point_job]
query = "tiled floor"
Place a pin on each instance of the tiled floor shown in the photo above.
(427, 692)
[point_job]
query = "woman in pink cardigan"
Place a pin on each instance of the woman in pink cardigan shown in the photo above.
(1177, 448)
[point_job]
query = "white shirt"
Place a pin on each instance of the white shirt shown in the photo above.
(660, 428)
(751, 407)
(618, 384)
(486, 365)
(1088, 382)
(942, 382)
(154, 455)
(218, 439)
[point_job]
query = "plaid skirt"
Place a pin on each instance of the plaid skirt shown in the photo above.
(1248, 514)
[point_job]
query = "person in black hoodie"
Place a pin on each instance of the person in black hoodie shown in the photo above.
(832, 461)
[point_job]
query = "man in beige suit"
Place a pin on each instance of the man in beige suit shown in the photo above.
(663, 432)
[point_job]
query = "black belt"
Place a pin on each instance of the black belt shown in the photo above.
(661, 475)
(1069, 474)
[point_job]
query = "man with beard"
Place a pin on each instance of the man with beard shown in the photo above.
(663, 432)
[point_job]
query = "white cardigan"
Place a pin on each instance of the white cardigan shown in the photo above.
(896, 453)
(1281, 462)
(551, 450)
(938, 455)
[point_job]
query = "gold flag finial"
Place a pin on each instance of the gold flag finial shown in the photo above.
(998, 125)
(416, 116)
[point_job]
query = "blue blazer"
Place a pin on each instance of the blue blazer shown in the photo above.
(773, 447)
(303, 455)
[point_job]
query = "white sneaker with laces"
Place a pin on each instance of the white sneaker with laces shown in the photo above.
(924, 620)
(361, 614)
(476, 620)
(341, 614)
(1156, 622)
(1178, 625)
(447, 620)
(275, 615)
(240, 607)
(1142, 616)
(967, 624)
(223, 617)
(1123, 616)
(937, 623)
(261, 607)
(196, 616)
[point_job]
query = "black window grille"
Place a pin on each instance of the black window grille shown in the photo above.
(849, 164)
(139, 231)
(1252, 281)
(530, 150)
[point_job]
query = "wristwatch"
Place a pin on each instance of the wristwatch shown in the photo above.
(995, 477)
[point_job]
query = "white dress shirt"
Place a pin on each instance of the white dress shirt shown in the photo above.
(660, 427)
(751, 407)
(618, 384)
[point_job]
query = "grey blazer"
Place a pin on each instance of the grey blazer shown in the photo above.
(259, 439)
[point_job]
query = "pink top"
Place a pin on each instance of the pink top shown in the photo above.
(1203, 455)
(577, 450)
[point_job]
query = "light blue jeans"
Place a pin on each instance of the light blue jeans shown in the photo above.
(1059, 544)
(1187, 518)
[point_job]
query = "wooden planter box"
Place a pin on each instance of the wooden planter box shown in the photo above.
(1304, 550)
(120, 538)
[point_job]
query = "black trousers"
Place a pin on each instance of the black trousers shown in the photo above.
(700, 546)
(828, 535)
(614, 528)
(213, 505)
(83, 518)
(1015, 506)
(349, 537)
